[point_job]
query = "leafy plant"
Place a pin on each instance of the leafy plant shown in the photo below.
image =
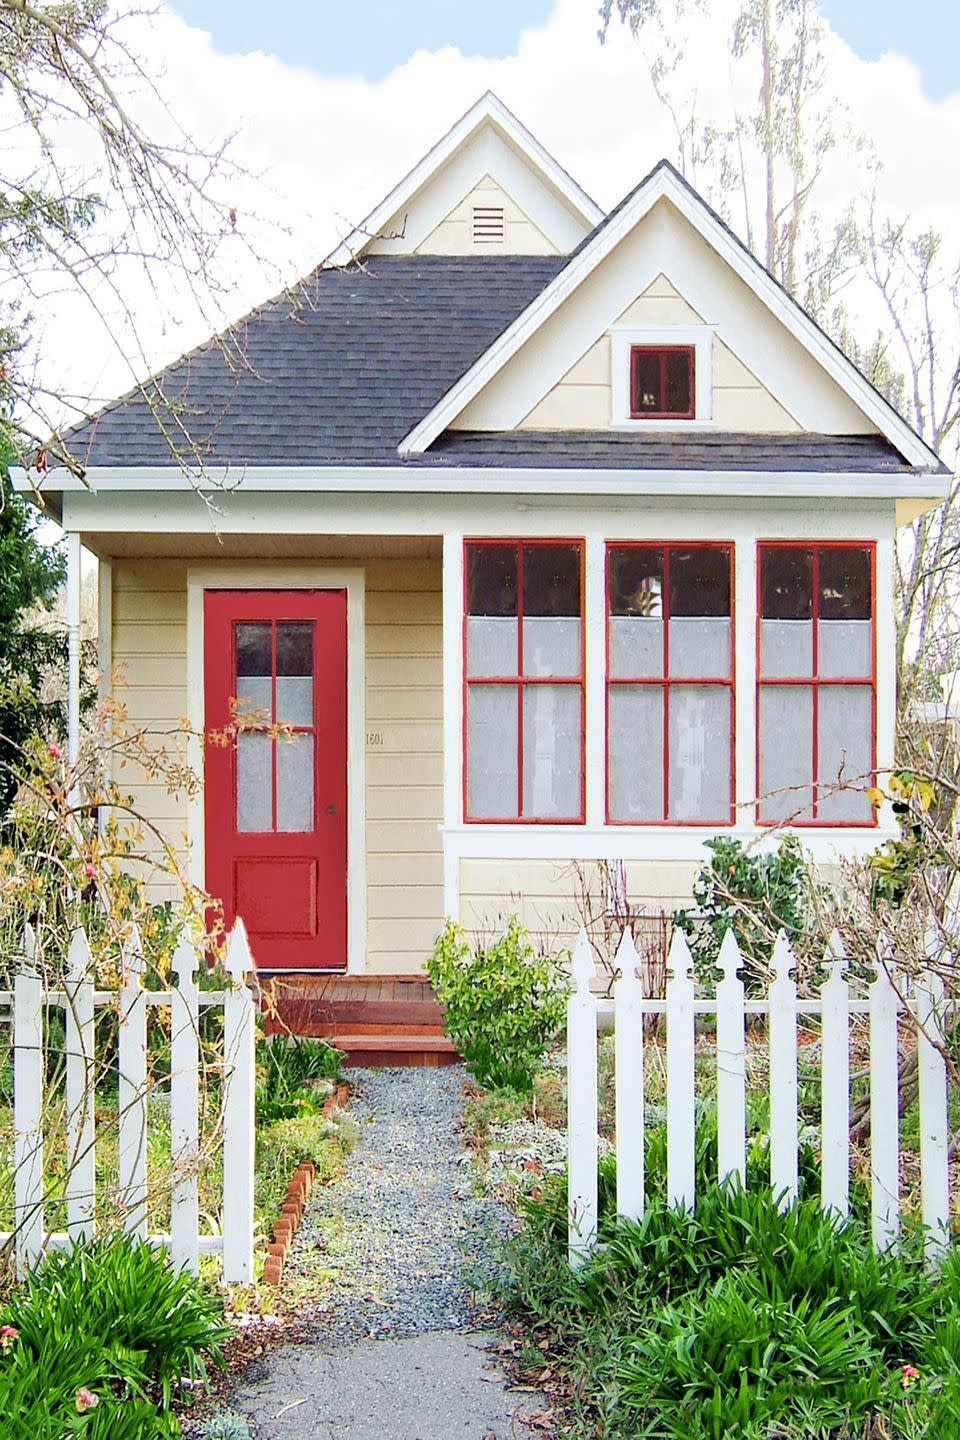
(756, 895)
(112, 1318)
(739, 1318)
(504, 1003)
(292, 1076)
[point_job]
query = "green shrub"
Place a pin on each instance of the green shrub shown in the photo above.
(504, 1003)
(113, 1318)
(740, 1319)
(292, 1076)
(755, 895)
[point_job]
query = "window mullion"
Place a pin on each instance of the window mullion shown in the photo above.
(665, 610)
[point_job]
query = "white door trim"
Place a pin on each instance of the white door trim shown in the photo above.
(292, 577)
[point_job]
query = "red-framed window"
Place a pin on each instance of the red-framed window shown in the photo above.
(662, 382)
(816, 696)
(670, 684)
(523, 681)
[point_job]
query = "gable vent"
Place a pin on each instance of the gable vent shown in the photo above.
(488, 228)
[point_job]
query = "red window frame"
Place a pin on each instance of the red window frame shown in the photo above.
(813, 681)
(666, 681)
(663, 351)
(519, 681)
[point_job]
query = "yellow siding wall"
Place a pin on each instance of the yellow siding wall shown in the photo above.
(454, 235)
(583, 400)
(404, 724)
(543, 893)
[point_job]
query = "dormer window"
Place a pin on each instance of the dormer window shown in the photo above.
(662, 382)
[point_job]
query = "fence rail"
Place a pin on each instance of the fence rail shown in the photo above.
(80, 1001)
(888, 998)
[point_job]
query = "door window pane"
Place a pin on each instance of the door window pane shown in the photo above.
(295, 783)
(786, 752)
(700, 752)
(492, 739)
(254, 689)
(635, 753)
(844, 752)
(294, 672)
(254, 782)
(551, 751)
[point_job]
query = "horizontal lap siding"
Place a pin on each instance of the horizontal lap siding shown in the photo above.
(150, 666)
(404, 762)
(543, 893)
(404, 705)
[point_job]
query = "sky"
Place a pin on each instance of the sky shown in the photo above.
(331, 104)
(372, 39)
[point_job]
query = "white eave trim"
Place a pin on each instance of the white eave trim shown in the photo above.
(487, 480)
(487, 108)
(665, 184)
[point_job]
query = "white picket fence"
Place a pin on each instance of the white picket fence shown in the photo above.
(79, 999)
(834, 1006)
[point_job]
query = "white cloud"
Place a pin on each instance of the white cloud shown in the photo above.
(329, 148)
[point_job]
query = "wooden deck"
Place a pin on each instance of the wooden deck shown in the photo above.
(377, 1020)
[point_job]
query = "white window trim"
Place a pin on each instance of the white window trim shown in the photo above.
(293, 577)
(624, 337)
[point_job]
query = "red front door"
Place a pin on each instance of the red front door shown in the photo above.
(276, 803)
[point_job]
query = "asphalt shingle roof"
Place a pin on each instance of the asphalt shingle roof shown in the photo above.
(714, 450)
(336, 372)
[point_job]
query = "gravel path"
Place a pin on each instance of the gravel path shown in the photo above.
(403, 1229)
(390, 1356)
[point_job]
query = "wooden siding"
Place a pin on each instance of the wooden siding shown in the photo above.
(583, 398)
(454, 234)
(404, 725)
(542, 893)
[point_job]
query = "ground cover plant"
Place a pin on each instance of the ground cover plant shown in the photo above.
(97, 1340)
(740, 1318)
(504, 1003)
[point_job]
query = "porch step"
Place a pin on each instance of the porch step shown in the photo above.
(379, 1050)
(389, 1020)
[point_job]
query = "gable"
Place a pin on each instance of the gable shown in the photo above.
(487, 221)
(663, 277)
(488, 159)
(584, 399)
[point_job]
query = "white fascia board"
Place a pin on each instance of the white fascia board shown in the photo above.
(664, 184)
(487, 108)
(500, 480)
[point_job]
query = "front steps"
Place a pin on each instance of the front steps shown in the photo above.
(377, 1020)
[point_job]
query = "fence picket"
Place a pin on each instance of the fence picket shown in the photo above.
(28, 1107)
(884, 1109)
(731, 1064)
(934, 1118)
(628, 1058)
(835, 1082)
(184, 1109)
(782, 1042)
(581, 1106)
(81, 1086)
(132, 1089)
(681, 1113)
(238, 1138)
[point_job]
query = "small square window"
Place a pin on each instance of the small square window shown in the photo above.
(662, 382)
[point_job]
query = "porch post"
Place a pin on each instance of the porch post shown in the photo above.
(452, 719)
(73, 647)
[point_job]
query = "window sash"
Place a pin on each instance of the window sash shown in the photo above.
(662, 412)
(547, 651)
(674, 676)
(819, 676)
